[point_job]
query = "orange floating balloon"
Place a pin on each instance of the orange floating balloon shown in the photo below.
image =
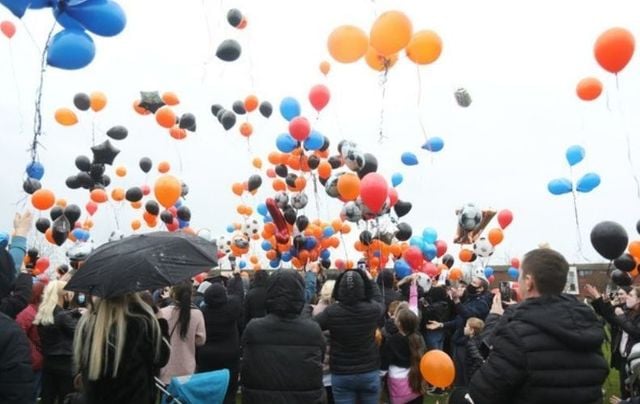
(466, 255)
(148, 217)
(274, 158)
(170, 98)
(177, 132)
(237, 188)
(349, 187)
(345, 228)
(589, 88)
(117, 194)
(496, 236)
(165, 117)
(391, 32)
(49, 235)
(121, 171)
(425, 47)
(455, 274)
(614, 48)
(139, 109)
(279, 185)
(347, 43)
(43, 199)
(164, 167)
(135, 224)
(8, 29)
(66, 117)
(61, 202)
(251, 103)
(98, 101)
(378, 62)
(257, 162)
(324, 170)
(437, 368)
(98, 195)
(246, 129)
(634, 249)
(167, 190)
(136, 205)
(325, 67)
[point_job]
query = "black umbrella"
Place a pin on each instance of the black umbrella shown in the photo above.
(143, 262)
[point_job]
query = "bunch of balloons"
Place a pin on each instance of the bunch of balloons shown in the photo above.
(96, 101)
(227, 118)
(611, 240)
(587, 183)
(151, 102)
(230, 50)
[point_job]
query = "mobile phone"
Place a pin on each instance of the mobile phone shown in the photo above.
(505, 291)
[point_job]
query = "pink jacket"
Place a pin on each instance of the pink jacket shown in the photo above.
(183, 352)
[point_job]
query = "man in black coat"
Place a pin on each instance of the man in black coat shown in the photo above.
(255, 306)
(16, 374)
(283, 352)
(546, 349)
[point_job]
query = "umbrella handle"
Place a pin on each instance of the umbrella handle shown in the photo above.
(161, 386)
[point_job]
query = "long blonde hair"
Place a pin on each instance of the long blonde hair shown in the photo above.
(327, 291)
(105, 329)
(50, 297)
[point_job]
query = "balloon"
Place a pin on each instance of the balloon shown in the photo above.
(413, 256)
(370, 165)
(228, 119)
(152, 208)
(588, 182)
(134, 194)
(390, 33)
(437, 368)
(434, 144)
(42, 264)
(289, 108)
(56, 212)
(625, 262)
(299, 128)
(614, 48)
(254, 182)
(91, 208)
(43, 199)
(238, 107)
(429, 235)
(448, 260)
(167, 190)
(575, 154)
(325, 67)
(184, 213)
(151, 101)
(98, 100)
(72, 212)
(505, 217)
(347, 43)
(462, 97)
(559, 186)
(513, 273)
(104, 18)
(229, 50)
(302, 222)
(429, 251)
(42, 224)
(409, 159)
(424, 47)
(319, 97)
(234, 17)
(145, 164)
(609, 239)
(588, 89)
(251, 103)
(285, 143)
(188, 122)
(469, 217)
(402, 208)
(165, 117)
(266, 109)
(374, 191)
(314, 142)
(71, 49)
(66, 117)
(118, 133)
(404, 232)
(104, 153)
(17, 7)
(8, 29)
(60, 229)
(441, 248)
(170, 98)
(98, 195)
(495, 236)
(82, 101)
(634, 249)
(483, 248)
(621, 278)
(378, 62)
(638, 226)
(349, 187)
(401, 268)
(35, 170)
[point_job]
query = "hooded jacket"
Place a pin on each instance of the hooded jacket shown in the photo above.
(282, 352)
(254, 304)
(352, 322)
(546, 350)
(385, 282)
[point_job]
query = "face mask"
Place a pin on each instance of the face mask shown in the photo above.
(631, 301)
(81, 298)
(472, 289)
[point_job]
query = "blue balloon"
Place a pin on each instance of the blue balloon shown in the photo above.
(429, 235)
(179, 203)
(17, 7)
(231, 228)
(274, 263)
(575, 154)
(409, 159)
(35, 170)
(417, 241)
(488, 272)
(37, 4)
(262, 209)
(4, 239)
(289, 108)
(314, 141)
(325, 254)
(285, 143)
(102, 17)
(310, 243)
(401, 268)
(242, 264)
(80, 234)
(183, 223)
(588, 182)
(429, 251)
(71, 49)
(267, 219)
(266, 246)
(396, 179)
(434, 144)
(513, 273)
(560, 186)
(286, 256)
(328, 231)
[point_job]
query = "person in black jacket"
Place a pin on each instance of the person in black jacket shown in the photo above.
(16, 374)
(222, 348)
(282, 352)
(435, 306)
(352, 321)
(254, 306)
(15, 292)
(546, 349)
(472, 331)
(387, 285)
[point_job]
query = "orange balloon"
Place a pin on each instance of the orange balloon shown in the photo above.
(136, 205)
(139, 109)
(167, 190)
(121, 171)
(634, 249)
(466, 255)
(8, 29)
(170, 98)
(66, 117)
(279, 185)
(98, 101)
(246, 129)
(164, 167)
(148, 217)
(589, 88)
(49, 235)
(165, 117)
(325, 67)
(43, 199)
(324, 170)
(336, 224)
(117, 194)
(437, 368)
(455, 274)
(61, 202)
(425, 47)
(237, 188)
(257, 162)
(391, 32)
(253, 259)
(347, 43)
(274, 158)
(177, 132)
(349, 187)
(135, 224)
(345, 228)
(378, 62)
(251, 103)
(496, 236)
(300, 183)
(395, 250)
(98, 195)
(614, 48)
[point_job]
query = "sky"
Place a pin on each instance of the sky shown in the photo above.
(519, 61)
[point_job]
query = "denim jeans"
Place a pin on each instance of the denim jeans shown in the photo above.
(434, 339)
(363, 388)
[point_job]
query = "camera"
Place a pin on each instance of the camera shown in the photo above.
(505, 292)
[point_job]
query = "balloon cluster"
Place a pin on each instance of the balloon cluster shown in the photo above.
(64, 224)
(230, 50)
(96, 101)
(611, 240)
(587, 183)
(228, 118)
(151, 102)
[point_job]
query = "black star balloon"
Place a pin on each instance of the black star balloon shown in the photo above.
(151, 101)
(104, 153)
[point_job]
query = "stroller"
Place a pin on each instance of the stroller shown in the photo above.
(207, 387)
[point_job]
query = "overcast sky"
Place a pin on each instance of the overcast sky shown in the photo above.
(519, 61)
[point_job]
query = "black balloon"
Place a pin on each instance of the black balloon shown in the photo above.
(153, 208)
(60, 230)
(72, 182)
(366, 237)
(326, 144)
(290, 215)
(335, 161)
(448, 260)
(625, 263)
(638, 226)
(72, 213)
(302, 222)
(238, 107)
(404, 232)
(313, 162)
(370, 165)
(621, 278)
(215, 108)
(133, 194)
(229, 50)
(151, 101)
(31, 185)
(166, 217)
(118, 132)
(33, 253)
(84, 179)
(254, 182)
(234, 17)
(83, 163)
(326, 264)
(104, 153)
(106, 180)
(82, 101)
(188, 121)
(43, 224)
(266, 109)
(184, 213)
(228, 119)
(291, 180)
(96, 172)
(299, 241)
(56, 212)
(145, 164)
(402, 208)
(220, 114)
(323, 181)
(281, 170)
(184, 189)
(609, 239)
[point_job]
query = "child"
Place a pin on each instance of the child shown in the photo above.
(474, 358)
(401, 355)
(390, 328)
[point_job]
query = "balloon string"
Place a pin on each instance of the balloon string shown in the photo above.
(37, 118)
(250, 57)
(424, 131)
(175, 144)
(383, 84)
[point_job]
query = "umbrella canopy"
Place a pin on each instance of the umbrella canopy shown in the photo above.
(143, 262)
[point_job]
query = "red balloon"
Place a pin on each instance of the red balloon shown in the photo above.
(319, 97)
(173, 210)
(339, 264)
(414, 257)
(91, 207)
(430, 269)
(146, 190)
(173, 226)
(42, 264)
(441, 248)
(393, 196)
(374, 191)
(614, 48)
(271, 173)
(515, 263)
(299, 128)
(8, 29)
(505, 217)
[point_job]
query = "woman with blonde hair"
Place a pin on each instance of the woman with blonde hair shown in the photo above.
(118, 350)
(325, 297)
(56, 327)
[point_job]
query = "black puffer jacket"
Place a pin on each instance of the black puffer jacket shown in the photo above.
(57, 338)
(16, 374)
(546, 350)
(254, 304)
(282, 360)
(352, 322)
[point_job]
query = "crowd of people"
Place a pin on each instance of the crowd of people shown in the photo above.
(313, 336)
